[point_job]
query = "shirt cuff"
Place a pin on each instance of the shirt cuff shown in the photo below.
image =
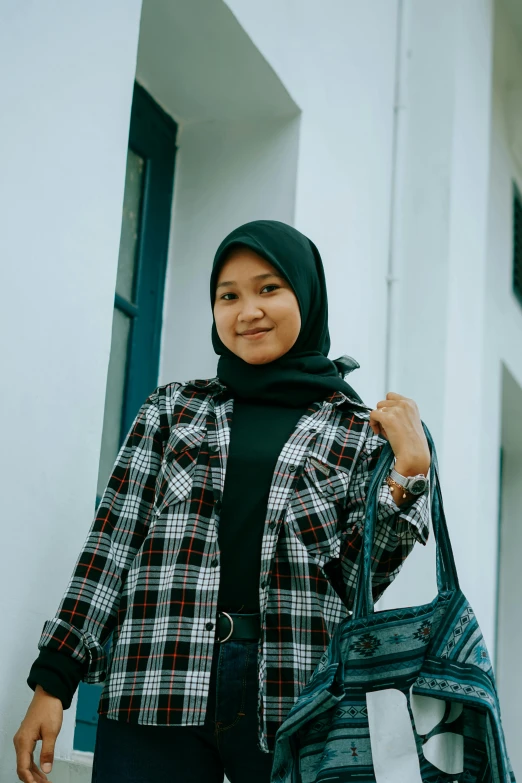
(58, 674)
(59, 636)
(412, 515)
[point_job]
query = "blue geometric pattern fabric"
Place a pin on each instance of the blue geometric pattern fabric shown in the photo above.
(434, 655)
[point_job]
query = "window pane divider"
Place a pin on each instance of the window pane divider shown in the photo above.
(127, 307)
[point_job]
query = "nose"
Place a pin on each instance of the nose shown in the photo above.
(249, 312)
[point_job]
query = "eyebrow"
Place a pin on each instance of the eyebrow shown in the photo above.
(263, 276)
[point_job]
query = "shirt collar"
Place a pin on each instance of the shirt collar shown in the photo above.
(339, 397)
(348, 364)
(215, 387)
(210, 385)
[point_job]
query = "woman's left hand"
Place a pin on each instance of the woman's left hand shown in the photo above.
(398, 420)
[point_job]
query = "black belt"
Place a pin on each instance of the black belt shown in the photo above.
(237, 626)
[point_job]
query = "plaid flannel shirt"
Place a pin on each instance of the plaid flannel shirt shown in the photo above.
(149, 570)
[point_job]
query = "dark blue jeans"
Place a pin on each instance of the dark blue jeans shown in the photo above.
(226, 744)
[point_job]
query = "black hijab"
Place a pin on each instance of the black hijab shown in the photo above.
(304, 374)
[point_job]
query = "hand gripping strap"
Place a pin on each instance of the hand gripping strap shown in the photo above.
(446, 571)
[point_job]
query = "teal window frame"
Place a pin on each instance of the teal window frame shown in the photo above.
(152, 136)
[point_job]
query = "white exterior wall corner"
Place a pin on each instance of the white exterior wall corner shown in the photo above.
(338, 63)
(66, 101)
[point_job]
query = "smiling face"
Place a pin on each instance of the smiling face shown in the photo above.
(256, 311)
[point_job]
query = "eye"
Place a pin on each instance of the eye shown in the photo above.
(272, 285)
(225, 297)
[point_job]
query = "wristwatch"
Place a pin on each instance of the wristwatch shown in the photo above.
(415, 485)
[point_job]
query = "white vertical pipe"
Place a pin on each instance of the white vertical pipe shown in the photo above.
(394, 243)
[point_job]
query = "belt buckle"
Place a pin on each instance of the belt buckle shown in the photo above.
(221, 641)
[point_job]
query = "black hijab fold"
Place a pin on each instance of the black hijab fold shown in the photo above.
(304, 374)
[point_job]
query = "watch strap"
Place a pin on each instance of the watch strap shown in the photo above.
(406, 482)
(399, 478)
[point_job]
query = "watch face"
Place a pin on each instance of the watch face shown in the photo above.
(418, 486)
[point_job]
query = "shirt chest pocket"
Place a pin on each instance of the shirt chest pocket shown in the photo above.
(178, 467)
(318, 507)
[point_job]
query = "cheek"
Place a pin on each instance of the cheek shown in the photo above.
(226, 323)
(222, 319)
(297, 323)
(292, 325)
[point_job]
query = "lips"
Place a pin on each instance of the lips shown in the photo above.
(254, 334)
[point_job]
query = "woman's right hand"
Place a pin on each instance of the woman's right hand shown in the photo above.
(43, 721)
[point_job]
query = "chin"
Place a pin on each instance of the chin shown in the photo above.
(261, 358)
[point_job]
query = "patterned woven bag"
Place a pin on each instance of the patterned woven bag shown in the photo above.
(399, 696)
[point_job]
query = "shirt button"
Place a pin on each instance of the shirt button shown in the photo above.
(292, 468)
(209, 626)
(312, 429)
(214, 563)
(272, 525)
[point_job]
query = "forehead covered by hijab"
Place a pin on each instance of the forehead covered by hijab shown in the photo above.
(297, 259)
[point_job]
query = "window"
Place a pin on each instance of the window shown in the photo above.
(138, 306)
(517, 244)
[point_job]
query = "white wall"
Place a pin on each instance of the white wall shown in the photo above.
(441, 296)
(66, 96)
(337, 61)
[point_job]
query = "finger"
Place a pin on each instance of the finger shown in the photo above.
(380, 416)
(375, 420)
(389, 404)
(24, 757)
(377, 427)
(23, 768)
(27, 777)
(47, 752)
(38, 775)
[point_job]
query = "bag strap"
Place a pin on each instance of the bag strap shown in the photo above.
(447, 579)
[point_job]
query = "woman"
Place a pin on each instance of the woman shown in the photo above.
(224, 549)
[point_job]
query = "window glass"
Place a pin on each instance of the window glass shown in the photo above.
(114, 396)
(130, 225)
